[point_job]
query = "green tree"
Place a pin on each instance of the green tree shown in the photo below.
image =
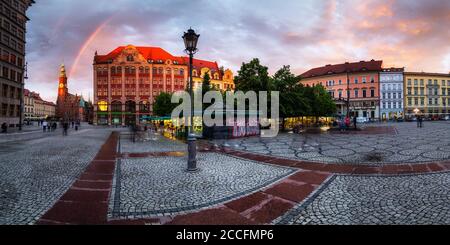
(321, 102)
(253, 77)
(293, 102)
(163, 105)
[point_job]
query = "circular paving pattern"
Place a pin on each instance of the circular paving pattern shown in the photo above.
(352, 200)
(409, 145)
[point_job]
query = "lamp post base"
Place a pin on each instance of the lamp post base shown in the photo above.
(192, 151)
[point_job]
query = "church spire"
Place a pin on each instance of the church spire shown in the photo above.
(62, 72)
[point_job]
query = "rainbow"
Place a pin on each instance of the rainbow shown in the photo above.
(86, 45)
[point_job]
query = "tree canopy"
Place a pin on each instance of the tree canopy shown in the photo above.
(163, 105)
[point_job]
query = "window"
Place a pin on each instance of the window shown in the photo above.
(430, 101)
(130, 58)
(409, 101)
(422, 101)
(11, 110)
(422, 91)
(340, 82)
(416, 101)
(356, 80)
(416, 82)
(372, 79)
(364, 80)
(409, 91)
(416, 91)
(409, 81)
(364, 93)
(372, 93)
(5, 72)
(421, 82)
(356, 93)
(4, 110)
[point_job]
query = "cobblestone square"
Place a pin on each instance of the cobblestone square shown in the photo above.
(157, 186)
(409, 145)
(370, 200)
(35, 173)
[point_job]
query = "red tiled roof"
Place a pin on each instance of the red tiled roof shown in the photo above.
(198, 64)
(149, 53)
(157, 53)
(342, 68)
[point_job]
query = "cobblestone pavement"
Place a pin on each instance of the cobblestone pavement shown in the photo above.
(155, 143)
(409, 145)
(161, 186)
(35, 173)
(349, 200)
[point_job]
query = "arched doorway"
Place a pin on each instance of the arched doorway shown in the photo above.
(116, 113)
(130, 113)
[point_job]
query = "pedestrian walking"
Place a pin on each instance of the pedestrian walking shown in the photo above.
(73, 124)
(354, 122)
(44, 125)
(65, 128)
(347, 123)
(4, 128)
(420, 122)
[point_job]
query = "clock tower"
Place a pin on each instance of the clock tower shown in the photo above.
(62, 86)
(63, 95)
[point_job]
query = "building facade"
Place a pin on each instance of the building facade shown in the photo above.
(12, 63)
(128, 79)
(44, 109)
(354, 87)
(427, 94)
(28, 104)
(391, 94)
(36, 108)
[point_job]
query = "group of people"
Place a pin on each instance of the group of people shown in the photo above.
(52, 126)
(345, 123)
(49, 126)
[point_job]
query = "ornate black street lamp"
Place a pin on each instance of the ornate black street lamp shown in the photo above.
(190, 42)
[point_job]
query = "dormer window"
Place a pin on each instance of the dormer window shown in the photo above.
(130, 58)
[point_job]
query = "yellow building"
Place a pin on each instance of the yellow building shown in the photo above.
(427, 94)
(220, 80)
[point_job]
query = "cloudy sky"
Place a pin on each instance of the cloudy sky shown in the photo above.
(303, 34)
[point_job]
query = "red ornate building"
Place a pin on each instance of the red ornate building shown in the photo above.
(128, 79)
